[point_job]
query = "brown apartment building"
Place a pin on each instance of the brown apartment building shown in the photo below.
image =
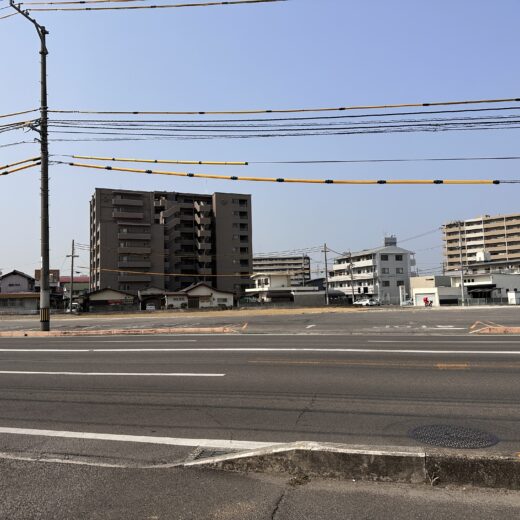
(484, 241)
(169, 240)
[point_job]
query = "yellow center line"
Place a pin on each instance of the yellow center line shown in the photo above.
(388, 364)
(452, 366)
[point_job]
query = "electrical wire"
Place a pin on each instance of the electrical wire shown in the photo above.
(426, 233)
(300, 118)
(84, 2)
(290, 180)
(242, 275)
(295, 110)
(7, 172)
(7, 16)
(164, 6)
(156, 161)
(16, 144)
(6, 166)
(2, 116)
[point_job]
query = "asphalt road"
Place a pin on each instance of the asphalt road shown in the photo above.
(269, 388)
(383, 320)
(81, 413)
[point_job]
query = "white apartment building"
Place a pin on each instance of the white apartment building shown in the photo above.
(382, 273)
(298, 266)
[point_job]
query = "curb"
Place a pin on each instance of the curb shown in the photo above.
(386, 464)
(115, 332)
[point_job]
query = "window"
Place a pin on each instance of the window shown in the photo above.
(385, 270)
(398, 258)
(400, 283)
(384, 258)
(386, 283)
(235, 237)
(399, 270)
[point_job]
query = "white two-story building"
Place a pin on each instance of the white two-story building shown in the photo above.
(382, 273)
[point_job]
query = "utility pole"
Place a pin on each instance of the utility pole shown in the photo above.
(463, 300)
(351, 277)
(45, 299)
(72, 256)
(326, 275)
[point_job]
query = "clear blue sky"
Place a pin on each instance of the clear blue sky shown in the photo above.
(295, 54)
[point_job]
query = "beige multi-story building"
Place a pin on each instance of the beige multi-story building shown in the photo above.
(169, 240)
(297, 266)
(483, 240)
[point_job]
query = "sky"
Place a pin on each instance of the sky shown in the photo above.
(299, 53)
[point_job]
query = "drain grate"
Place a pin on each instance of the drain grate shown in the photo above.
(450, 436)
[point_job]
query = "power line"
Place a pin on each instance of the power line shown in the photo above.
(126, 271)
(299, 181)
(156, 161)
(16, 144)
(436, 230)
(6, 166)
(2, 116)
(164, 6)
(7, 172)
(298, 118)
(345, 161)
(294, 110)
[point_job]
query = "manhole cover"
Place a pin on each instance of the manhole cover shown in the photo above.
(449, 436)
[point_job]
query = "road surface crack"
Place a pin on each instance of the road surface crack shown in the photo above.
(306, 409)
(278, 504)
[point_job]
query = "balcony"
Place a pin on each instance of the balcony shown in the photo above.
(135, 250)
(134, 264)
(127, 214)
(118, 201)
(129, 278)
(202, 220)
(204, 233)
(204, 258)
(363, 263)
(134, 236)
(202, 245)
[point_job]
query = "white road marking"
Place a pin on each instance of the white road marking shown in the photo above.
(434, 342)
(310, 326)
(129, 374)
(254, 349)
(143, 341)
(170, 441)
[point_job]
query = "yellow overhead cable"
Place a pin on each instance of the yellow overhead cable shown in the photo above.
(291, 110)
(2, 116)
(176, 274)
(165, 6)
(273, 179)
(160, 161)
(7, 172)
(32, 159)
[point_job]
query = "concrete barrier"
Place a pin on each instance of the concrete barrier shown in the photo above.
(389, 464)
(115, 332)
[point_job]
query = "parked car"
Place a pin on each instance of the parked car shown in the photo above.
(368, 302)
(150, 307)
(406, 303)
